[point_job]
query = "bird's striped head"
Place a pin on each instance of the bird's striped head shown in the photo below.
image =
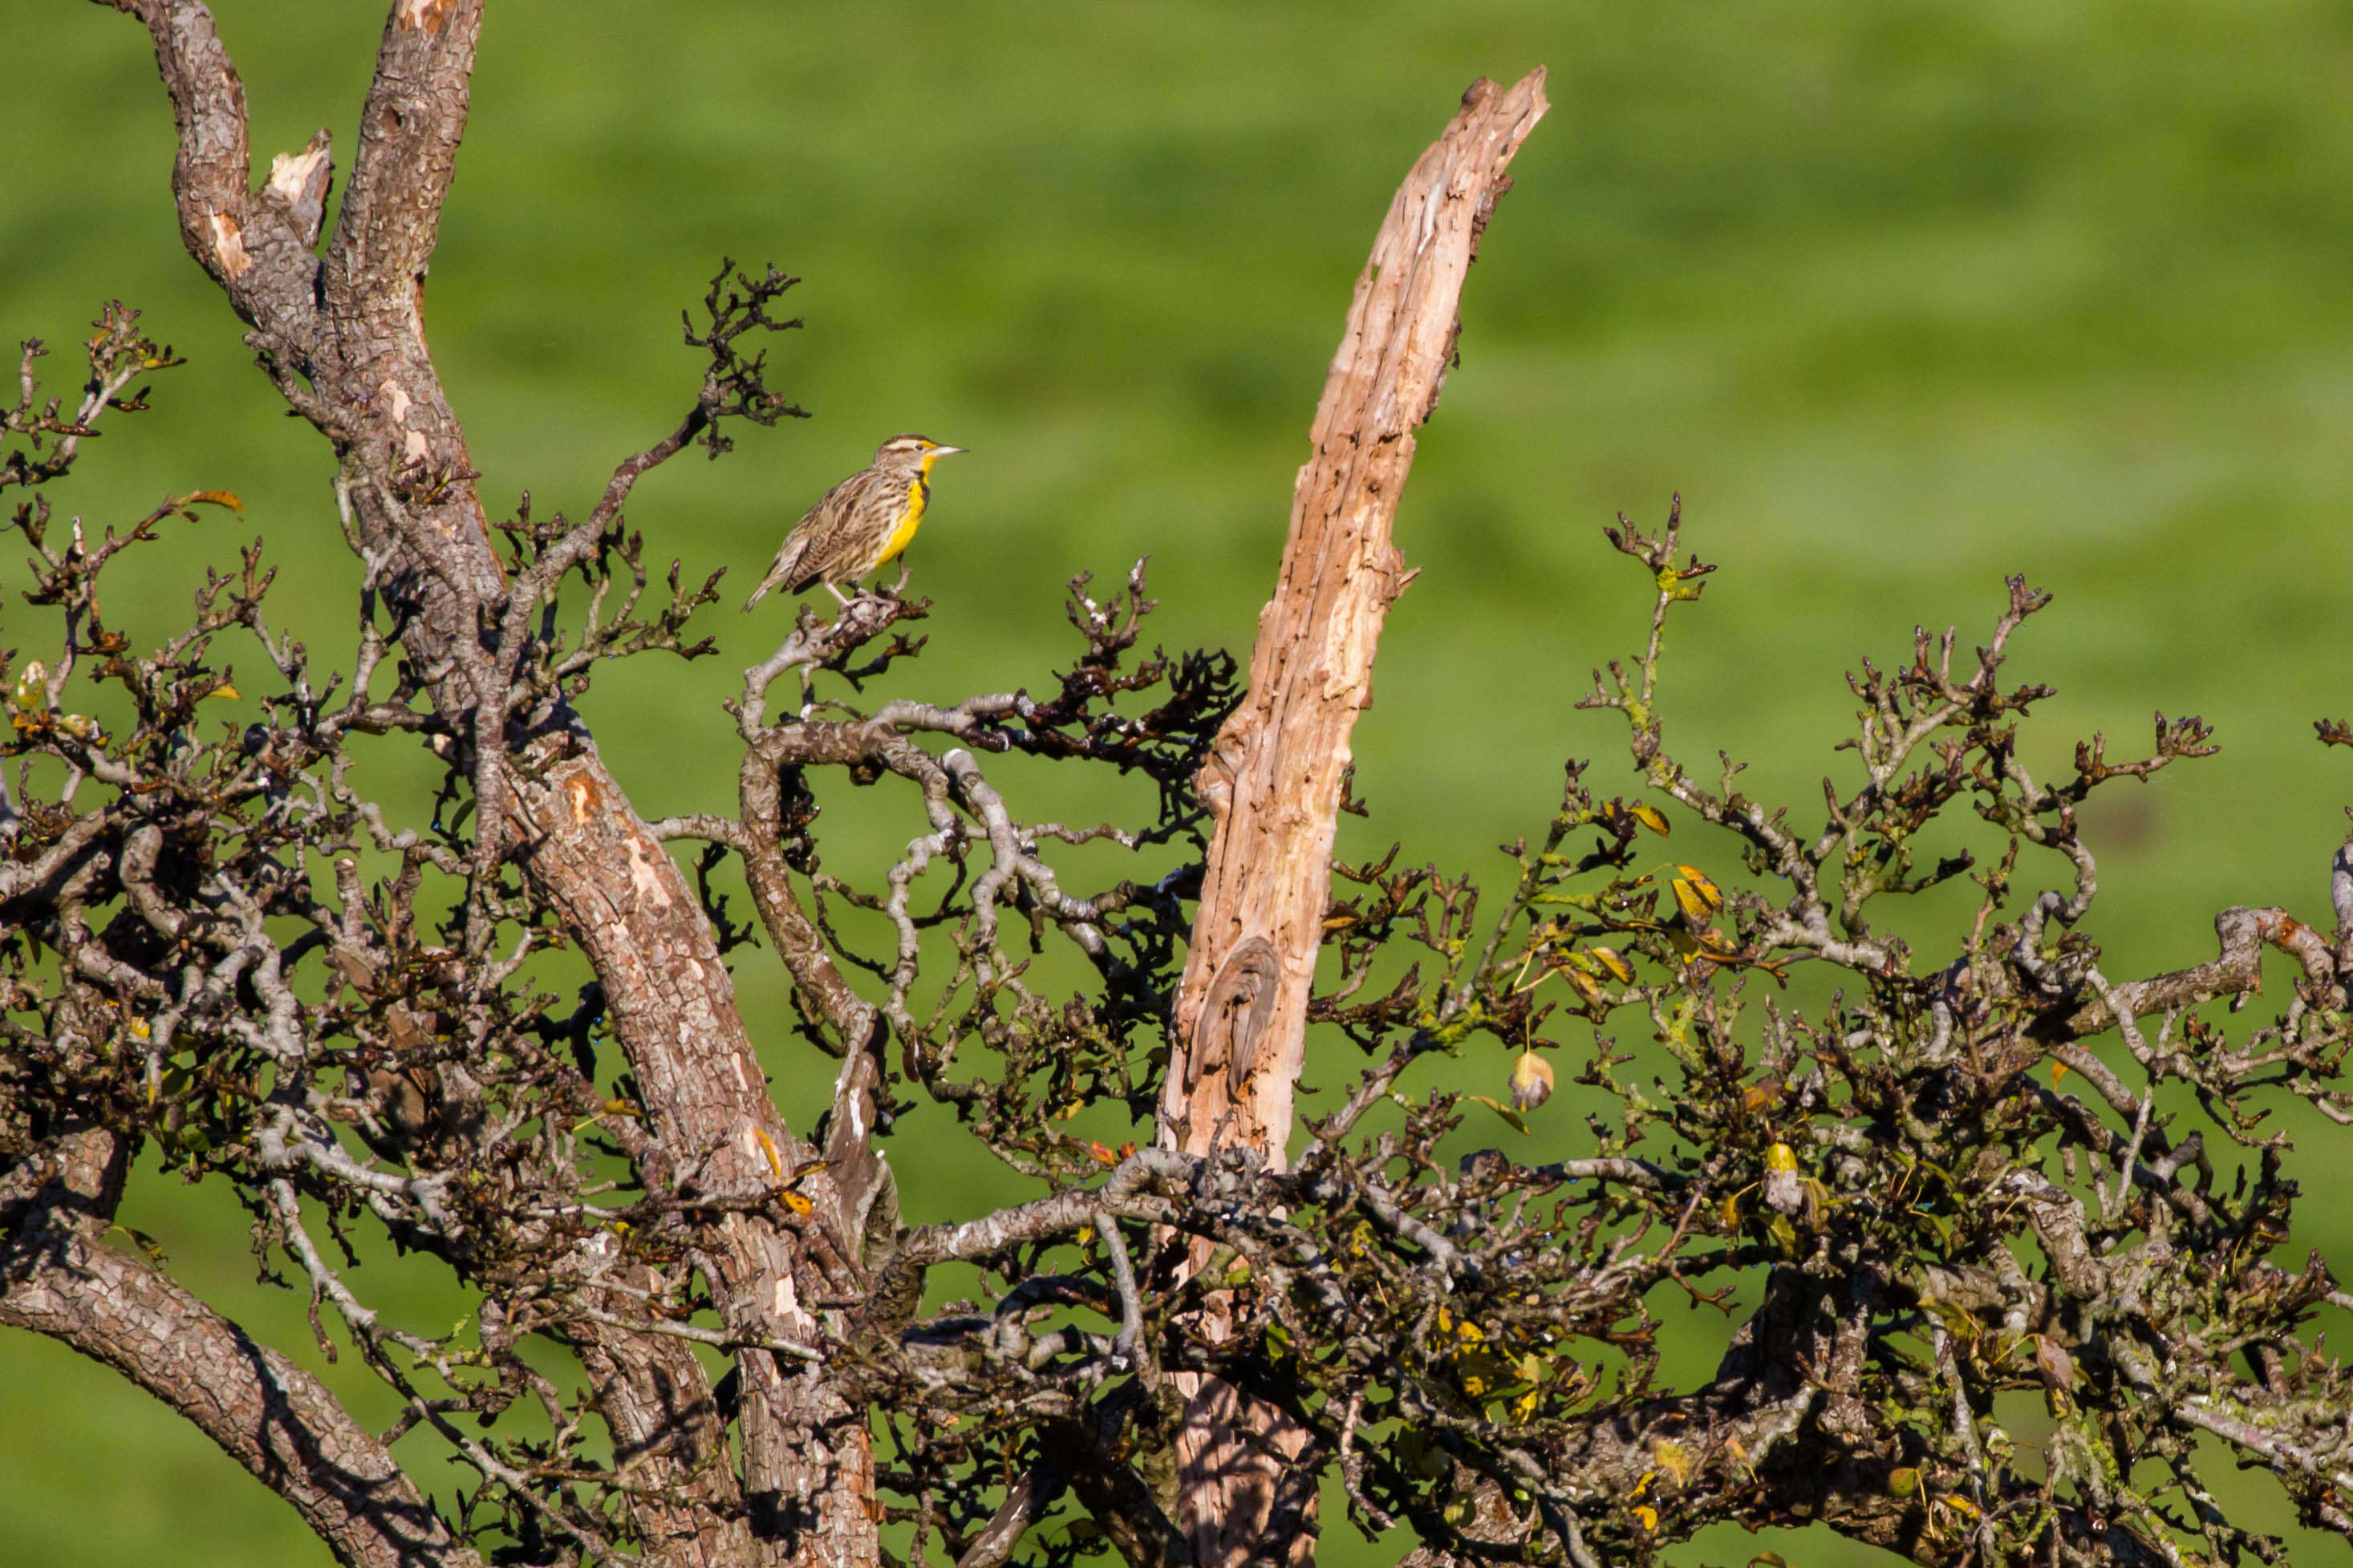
(902, 450)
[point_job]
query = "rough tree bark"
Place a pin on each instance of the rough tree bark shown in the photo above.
(270, 1415)
(1274, 781)
(343, 336)
(341, 331)
(1470, 1341)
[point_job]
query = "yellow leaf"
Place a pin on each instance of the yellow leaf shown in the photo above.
(215, 498)
(1717, 946)
(33, 686)
(144, 1242)
(768, 1147)
(1673, 1458)
(1512, 1119)
(1531, 1079)
(1649, 817)
(798, 1204)
(1692, 903)
(2058, 1071)
(1903, 1483)
(1646, 1516)
(1707, 890)
(225, 690)
(1780, 1157)
(1619, 970)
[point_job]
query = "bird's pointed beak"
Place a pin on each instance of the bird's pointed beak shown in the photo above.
(945, 451)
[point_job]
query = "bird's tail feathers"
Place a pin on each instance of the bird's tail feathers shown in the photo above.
(782, 570)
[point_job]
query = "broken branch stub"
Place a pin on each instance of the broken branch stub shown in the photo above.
(1273, 782)
(1274, 778)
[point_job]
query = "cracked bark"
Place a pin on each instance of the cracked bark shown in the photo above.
(1274, 778)
(56, 1278)
(343, 336)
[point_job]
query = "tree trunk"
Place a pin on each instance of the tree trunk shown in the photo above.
(343, 336)
(1273, 782)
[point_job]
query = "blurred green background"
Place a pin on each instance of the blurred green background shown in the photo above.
(1900, 297)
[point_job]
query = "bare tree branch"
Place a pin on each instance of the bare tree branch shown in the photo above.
(266, 1414)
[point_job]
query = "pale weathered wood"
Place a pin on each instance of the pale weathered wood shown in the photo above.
(1274, 780)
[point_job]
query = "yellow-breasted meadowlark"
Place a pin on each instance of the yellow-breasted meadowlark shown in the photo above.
(862, 523)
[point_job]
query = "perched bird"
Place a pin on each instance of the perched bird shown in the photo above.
(862, 521)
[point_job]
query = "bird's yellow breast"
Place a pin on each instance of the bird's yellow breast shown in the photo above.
(910, 519)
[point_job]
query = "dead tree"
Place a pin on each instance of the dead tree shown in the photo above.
(505, 1038)
(1274, 779)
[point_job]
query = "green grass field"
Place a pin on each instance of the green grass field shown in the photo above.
(1900, 297)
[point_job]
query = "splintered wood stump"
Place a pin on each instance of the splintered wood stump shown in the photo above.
(1274, 776)
(1273, 779)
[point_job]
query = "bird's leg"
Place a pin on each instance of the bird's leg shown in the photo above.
(896, 589)
(837, 595)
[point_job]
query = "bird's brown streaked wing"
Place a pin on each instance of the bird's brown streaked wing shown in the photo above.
(794, 554)
(835, 532)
